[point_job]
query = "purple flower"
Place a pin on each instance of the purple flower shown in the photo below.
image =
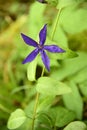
(40, 48)
(42, 1)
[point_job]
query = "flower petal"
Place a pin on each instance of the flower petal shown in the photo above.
(31, 56)
(53, 48)
(42, 34)
(29, 40)
(45, 60)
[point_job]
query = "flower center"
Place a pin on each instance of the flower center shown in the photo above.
(40, 46)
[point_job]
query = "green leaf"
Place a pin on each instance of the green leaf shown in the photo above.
(61, 116)
(26, 125)
(65, 3)
(74, 19)
(80, 76)
(83, 88)
(49, 86)
(16, 119)
(45, 103)
(64, 116)
(36, 18)
(60, 37)
(43, 121)
(70, 66)
(73, 101)
(76, 125)
(31, 71)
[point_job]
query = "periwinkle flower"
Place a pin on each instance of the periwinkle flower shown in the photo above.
(40, 48)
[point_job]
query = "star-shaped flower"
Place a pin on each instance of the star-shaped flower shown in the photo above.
(40, 48)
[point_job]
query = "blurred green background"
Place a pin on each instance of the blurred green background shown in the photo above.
(13, 16)
(14, 19)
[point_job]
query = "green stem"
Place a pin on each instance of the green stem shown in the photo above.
(36, 104)
(54, 30)
(56, 23)
(35, 108)
(42, 71)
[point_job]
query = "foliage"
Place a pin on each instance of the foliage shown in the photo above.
(62, 91)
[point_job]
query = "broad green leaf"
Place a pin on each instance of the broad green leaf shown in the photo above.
(31, 71)
(70, 66)
(43, 121)
(74, 19)
(73, 101)
(76, 125)
(64, 3)
(26, 126)
(16, 119)
(83, 88)
(49, 86)
(36, 18)
(64, 117)
(61, 116)
(45, 103)
(60, 37)
(80, 76)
